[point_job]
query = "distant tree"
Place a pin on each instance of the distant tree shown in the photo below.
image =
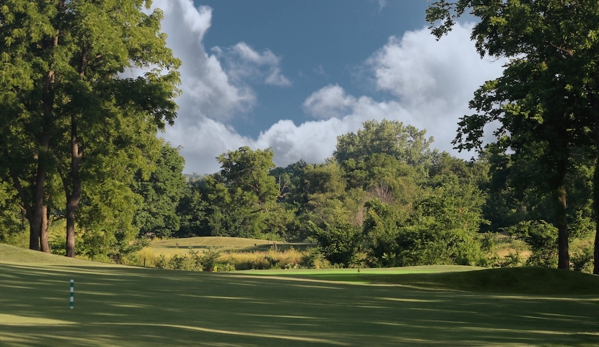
(249, 171)
(192, 211)
(161, 192)
(242, 193)
(381, 229)
(405, 143)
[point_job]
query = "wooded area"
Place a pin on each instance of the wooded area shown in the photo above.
(78, 142)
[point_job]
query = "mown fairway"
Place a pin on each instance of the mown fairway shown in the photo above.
(121, 306)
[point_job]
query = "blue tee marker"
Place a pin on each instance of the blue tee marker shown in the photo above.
(72, 303)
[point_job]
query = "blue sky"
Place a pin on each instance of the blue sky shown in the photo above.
(295, 74)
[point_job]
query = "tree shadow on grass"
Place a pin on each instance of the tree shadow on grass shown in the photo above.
(121, 306)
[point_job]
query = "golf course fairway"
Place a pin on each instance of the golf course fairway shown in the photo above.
(127, 306)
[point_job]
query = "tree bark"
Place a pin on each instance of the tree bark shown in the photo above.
(75, 194)
(560, 148)
(563, 261)
(37, 210)
(45, 246)
(595, 113)
(596, 205)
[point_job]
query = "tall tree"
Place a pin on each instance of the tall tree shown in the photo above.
(242, 193)
(65, 97)
(161, 192)
(404, 142)
(553, 45)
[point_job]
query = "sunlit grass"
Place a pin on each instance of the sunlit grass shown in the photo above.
(126, 306)
(172, 246)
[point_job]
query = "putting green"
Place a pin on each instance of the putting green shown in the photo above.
(124, 306)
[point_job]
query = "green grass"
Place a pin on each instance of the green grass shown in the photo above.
(126, 306)
(525, 280)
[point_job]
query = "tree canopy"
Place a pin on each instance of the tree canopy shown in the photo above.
(68, 109)
(547, 98)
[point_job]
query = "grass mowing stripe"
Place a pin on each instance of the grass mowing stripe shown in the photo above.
(124, 306)
(237, 333)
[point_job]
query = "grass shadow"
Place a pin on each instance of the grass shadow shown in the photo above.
(123, 306)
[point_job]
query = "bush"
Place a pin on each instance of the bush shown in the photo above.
(339, 243)
(218, 267)
(511, 260)
(316, 260)
(582, 260)
(208, 259)
(542, 239)
(162, 262)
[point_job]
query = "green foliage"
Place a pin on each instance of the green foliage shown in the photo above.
(381, 229)
(191, 210)
(441, 230)
(11, 217)
(315, 259)
(547, 100)
(404, 143)
(69, 115)
(248, 171)
(161, 193)
(583, 260)
(242, 195)
(340, 243)
(208, 259)
(542, 239)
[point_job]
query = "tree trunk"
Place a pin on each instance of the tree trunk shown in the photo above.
(596, 205)
(37, 211)
(45, 247)
(563, 261)
(76, 155)
(595, 113)
(560, 149)
(75, 194)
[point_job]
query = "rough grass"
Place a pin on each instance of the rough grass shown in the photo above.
(125, 306)
(181, 246)
(241, 253)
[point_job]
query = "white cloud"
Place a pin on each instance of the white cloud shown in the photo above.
(205, 84)
(243, 62)
(430, 81)
(418, 69)
(428, 84)
(330, 101)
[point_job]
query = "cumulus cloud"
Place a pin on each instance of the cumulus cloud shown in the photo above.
(330, 101)
(418, 69)
(424, 82)
(243, 62)
(430, 83)
(205, 84)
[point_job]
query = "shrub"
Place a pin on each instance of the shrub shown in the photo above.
(542, 239)
(582, 260)
(218, 267)
(511, 260)
(316, 260)
(208, 259)
(339, 242)
(162, 262)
